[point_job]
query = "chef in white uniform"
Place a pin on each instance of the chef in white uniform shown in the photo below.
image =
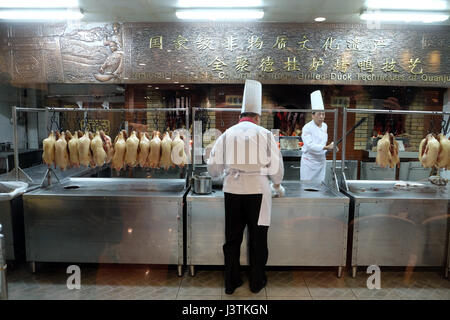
(315, 137)
(250, 158)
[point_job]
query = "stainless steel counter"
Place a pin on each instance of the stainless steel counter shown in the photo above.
(11, 212)
(106, 220)
(306, 191)
(11, 218)
(308, 228)
(117, 187)
(398, 223)
(399, 190)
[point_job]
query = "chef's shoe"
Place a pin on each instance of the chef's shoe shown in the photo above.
(231, 290)
(258, 289)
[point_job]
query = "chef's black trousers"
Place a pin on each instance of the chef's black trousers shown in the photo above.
(242, 210)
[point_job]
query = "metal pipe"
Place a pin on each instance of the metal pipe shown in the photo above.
(46, 122)
(447, 268)
(16, 142)
(3, 283)
(266, 110)
(334, 137)
(187, 119)
(344, 139)
(117, 110)
(99, 110)
(193, 139)
(189, 146)
(378, 111)
(30, 109)
(335, 184)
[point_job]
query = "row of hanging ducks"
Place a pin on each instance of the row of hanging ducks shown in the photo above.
(65, 150)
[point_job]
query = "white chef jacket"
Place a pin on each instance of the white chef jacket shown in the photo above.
(249, 155)
(313, 162)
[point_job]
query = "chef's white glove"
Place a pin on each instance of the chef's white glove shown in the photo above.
(281, 191)
(277, 192)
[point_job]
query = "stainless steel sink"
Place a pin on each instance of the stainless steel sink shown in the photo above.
(11, 217)
(12, 189)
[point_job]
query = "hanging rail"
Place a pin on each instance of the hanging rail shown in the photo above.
(15, 109)
(373, 111)
(335, 111)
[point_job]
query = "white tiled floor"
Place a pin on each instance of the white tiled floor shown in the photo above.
(108, 282)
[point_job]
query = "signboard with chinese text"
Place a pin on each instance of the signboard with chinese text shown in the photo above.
(273, 53)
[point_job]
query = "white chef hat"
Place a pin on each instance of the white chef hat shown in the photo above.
(316, 100)
(252, 100)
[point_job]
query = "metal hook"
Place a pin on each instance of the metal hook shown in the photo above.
(53, 122)
(431, 128)
(86, 121)
(444, 126)
(208, 121)
(391, 120)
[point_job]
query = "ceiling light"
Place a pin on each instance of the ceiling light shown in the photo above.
(38, 4)
(142, 64)
(218, 3)
(41, 14)
(176, 82)
(225, 14)
(182, 85)
(187, 88)
(149, 86)
(405, 16)
(407, 4)
(320, 19)
(156, 88)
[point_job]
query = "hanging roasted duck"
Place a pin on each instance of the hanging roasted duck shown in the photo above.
(435, 153)
(387, 151)
(118, 159)
(48, 156)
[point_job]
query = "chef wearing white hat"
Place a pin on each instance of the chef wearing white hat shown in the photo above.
(315, 137)
(250, 158)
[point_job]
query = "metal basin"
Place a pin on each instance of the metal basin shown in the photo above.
(202, 184)
(11, 189)
(5, 189)
(11, 217)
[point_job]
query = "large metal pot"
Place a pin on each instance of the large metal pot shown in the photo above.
(202, 184)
